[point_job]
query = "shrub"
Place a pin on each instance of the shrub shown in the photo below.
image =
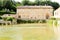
(43, 21)
(4, 18)
(0, 17)
(30, 21)
(27, 21)
(1, 13)
(20, 21)
(9, 18)
(53, 18)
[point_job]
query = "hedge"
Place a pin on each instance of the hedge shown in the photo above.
(1, 13)
(30, 21)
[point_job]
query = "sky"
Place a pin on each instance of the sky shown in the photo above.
(33, 1)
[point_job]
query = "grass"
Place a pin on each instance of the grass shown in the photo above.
(27, 32)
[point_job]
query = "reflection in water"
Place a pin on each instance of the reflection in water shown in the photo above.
(10, 33)
(26, 33)
(57, 29)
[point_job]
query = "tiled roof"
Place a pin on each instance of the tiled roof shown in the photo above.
(34, 7)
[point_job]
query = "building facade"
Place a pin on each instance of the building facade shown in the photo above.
(34, 12)
(57, 13)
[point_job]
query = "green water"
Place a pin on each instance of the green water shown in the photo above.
(27, 32)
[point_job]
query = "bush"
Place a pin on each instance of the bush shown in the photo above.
(10, 18)
(0, 17)
(1, 13)
(21, 21)
(43, 21)
(30, 21)
(5, 18)
(53, 18)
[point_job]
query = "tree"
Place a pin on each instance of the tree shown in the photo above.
(55, 5)
(44, 0)
(1, 5)
(18, 4)
(9, 4)
(25, 2)
(37, 2)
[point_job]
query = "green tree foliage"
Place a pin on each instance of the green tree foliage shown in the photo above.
(37, 2)
(55, 5)
(18, 4)
(11, 4)
(25, 2)
(1, 4)
(8, 4)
